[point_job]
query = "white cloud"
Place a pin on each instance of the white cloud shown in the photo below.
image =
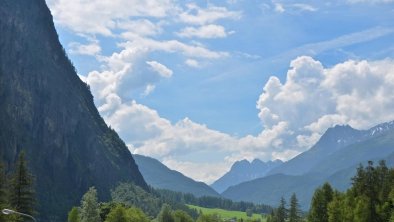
(207, 31)
(101, 16)
(294, 114)
(206, 172)
(160, 68)
(139, 28)
(200, 16)
(313, 98)
(173, 46)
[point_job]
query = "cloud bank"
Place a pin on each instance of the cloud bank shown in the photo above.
(294, 113)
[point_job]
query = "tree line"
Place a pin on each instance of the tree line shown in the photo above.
(369, 199)
(284, 214)
(17, 190)
(213, 202)
(123, 208)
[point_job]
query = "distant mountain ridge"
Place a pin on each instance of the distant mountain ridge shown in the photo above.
(333, 139)
(160, 176)
(49, 112)
(334, 158)
(242, 171)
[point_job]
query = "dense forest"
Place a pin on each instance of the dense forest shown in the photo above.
(369, 199)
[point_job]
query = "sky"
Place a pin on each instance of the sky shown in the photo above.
(199, 85)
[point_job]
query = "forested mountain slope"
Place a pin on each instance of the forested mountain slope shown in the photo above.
(48, 111)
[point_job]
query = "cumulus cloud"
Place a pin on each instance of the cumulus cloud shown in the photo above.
(313, 98)
(207, 32)
(101, 16)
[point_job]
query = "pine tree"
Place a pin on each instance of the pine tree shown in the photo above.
(89, 207)
(294, 211)
(22, 195)
(281, 213)
(320, 200)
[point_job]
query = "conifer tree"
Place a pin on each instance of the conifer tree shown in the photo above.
(89, 207)
(281, 213)
(294, 211)
(22, 195)
(320, 200)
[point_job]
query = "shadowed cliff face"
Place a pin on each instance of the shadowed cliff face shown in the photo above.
(46, 110)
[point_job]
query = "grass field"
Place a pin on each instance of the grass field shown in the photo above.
(227, 214)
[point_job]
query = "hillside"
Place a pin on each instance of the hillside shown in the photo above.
(337, 168)
(158, 175)
(242, 171)
(48, 111)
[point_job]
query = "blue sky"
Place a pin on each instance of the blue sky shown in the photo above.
(201, 84)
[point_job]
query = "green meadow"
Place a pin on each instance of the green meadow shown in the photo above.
(227, 214)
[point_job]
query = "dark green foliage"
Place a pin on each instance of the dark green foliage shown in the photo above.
(370, 199)
(89, 207)
(165, 214)
(22, 195)
(320, 200)
(73, 215)
(132, 195)
(281, 213)
(294, 211)
(212, 202)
